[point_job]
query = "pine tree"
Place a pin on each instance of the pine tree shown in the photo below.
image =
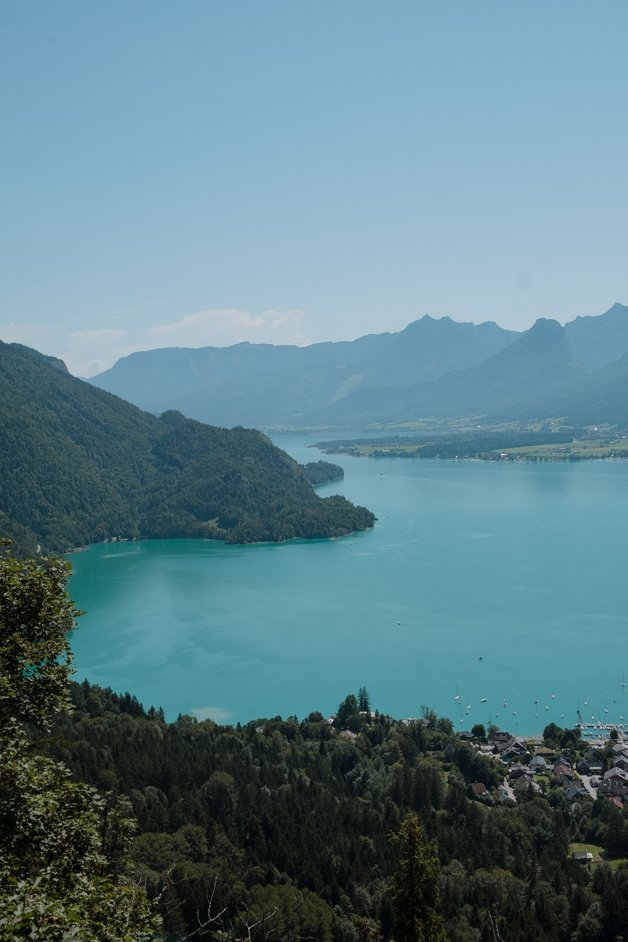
(416, 886)
(364, 701)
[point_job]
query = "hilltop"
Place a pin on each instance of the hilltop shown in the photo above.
(79, 465)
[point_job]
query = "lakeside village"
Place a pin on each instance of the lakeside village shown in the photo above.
(589, 762)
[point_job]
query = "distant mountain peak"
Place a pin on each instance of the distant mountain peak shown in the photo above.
(617, 308)
(445, 322)
(546, 325)
(544, 332)
(598, 340)
(542, 351)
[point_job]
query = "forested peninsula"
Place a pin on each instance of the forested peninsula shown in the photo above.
(79, 465)
(490, 444)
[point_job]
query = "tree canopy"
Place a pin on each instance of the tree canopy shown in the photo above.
(36, 616)
(62, 845)
(416, 886)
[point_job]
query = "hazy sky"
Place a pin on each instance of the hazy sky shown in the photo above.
(199, 172)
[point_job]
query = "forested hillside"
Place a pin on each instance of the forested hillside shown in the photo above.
(79, 465)
(291, 822)
(363, 829)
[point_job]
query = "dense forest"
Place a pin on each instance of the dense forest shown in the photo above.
(356, 827)
(295, 818)
(79, 465)
(323, 472)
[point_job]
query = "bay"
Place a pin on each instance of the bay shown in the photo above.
(487, 591)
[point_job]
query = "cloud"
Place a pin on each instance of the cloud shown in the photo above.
(221, 327)
(100, 336)
(88, 352)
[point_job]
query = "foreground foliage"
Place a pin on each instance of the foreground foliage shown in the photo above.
(62, 845)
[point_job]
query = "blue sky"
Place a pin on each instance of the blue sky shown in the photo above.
(204, 172)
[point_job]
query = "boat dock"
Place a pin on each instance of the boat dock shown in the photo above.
(593, 729)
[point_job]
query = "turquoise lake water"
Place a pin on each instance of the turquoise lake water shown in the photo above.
(480, 581)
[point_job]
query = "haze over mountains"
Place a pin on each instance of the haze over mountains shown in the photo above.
(432, 369)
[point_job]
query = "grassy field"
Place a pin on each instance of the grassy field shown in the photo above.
(598, 855)
(595, 849)
(410, 450)
(578, 449)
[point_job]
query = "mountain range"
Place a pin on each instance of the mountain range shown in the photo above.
(79, 465)
(434, 368)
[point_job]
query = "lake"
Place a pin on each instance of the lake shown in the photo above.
(488, 591)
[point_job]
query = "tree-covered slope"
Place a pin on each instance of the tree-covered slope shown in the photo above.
(308, 809)
(79, 465)
(362, 829)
